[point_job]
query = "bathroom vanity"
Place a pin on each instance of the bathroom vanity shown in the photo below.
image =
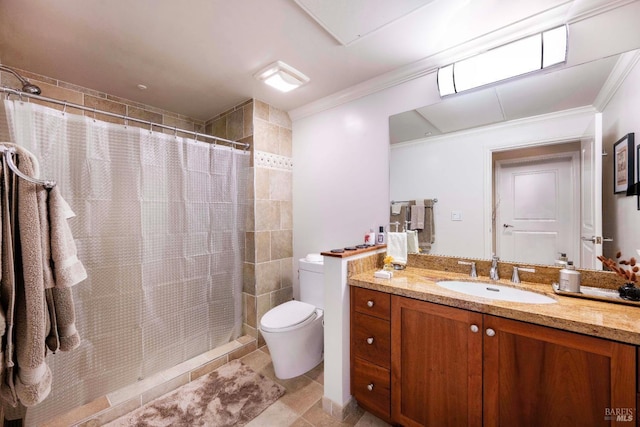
(425, 355)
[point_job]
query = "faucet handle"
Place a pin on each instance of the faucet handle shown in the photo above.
(473, 273)
(515, 277)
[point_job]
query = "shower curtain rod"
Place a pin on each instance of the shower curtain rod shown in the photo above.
(126, 118)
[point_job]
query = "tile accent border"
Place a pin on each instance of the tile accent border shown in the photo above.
(114, 405)
(273, 161)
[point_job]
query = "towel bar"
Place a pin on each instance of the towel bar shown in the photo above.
(8, 152)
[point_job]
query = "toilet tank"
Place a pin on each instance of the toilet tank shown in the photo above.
(311, 275)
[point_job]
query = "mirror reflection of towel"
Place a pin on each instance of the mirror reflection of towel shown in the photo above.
(413, 245)
(417, 215)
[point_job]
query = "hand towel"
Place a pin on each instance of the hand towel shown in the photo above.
(417, 215)
(395, 208)
(67, 268)
(397, 247)
(412, 242)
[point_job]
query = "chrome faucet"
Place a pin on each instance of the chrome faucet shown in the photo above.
(493, 272)
(515, 277)
(473, 273)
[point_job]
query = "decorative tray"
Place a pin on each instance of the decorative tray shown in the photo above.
(596, 294)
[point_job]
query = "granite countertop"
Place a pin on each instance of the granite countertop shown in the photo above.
(601, 319)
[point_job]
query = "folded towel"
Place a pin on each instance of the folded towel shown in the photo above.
(417, 215)
(395, 208)
(397, 247)
(412, 242)
(398, 221)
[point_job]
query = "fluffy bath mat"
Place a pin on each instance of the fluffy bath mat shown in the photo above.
(232, 395)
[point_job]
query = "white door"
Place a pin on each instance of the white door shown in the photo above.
(591, 189)
(537, 213)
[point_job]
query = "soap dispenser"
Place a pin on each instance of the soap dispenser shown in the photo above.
(569, 278)
(562, 260)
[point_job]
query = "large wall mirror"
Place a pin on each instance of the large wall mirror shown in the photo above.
(512, 155)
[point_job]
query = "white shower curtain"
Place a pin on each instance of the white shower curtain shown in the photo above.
(160, 230)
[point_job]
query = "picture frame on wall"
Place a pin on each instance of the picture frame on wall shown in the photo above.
(637, 184)
(623, 164)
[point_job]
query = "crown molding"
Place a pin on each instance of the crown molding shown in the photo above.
(503, 125)
(626, 62)
(430, 64)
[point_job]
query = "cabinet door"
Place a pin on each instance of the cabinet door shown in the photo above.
(540, 376)
(436, 364)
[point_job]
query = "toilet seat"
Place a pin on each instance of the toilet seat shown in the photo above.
(287, 316)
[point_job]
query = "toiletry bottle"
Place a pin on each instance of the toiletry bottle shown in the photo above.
(381, 239)
(562, 260)
(569, 278)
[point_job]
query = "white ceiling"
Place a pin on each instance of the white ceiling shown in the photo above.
(197, 57)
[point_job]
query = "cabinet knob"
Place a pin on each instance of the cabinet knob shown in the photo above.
(490, 332)
(370, 340)
(369, 303)
(474, 328)
(370, 387)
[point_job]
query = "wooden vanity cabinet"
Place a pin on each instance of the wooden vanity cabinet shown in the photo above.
(371, 351)
(453, 367)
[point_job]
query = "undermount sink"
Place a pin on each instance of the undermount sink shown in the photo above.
(495, 292)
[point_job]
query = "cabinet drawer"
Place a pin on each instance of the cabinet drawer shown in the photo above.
(371, 339)
(371, 386)
(373, 303)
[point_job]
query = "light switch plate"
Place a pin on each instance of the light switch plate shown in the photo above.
(456, 215)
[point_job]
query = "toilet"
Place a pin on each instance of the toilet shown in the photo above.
(294, 331)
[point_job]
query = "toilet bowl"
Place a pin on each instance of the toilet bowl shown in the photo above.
(294, 331)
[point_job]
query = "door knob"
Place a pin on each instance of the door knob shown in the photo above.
(370, 340)
(474, 328)
(490, 332)
(370, 387)
(369, 303)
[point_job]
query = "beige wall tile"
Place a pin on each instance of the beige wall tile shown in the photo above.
(250, 309)
(265, 136)
(281, 296)
(285, 142)
(209, 367)
(267, 277)
(249, 278)
(280, 185)
(247, 120)
(264, 305)
(286, 272)
(263, 246)
(235, 125)
(260, 110)
(286, 215)
(145, 115)
(262, 185)
(250, 247)
(279, 117)
(281, 244)
(220, 127)
(267, 215)
(104, 105)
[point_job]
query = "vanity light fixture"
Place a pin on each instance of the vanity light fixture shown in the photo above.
(281, 76)
(520, 57)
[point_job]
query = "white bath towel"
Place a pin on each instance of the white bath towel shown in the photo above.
(412, 242)
(397, 247)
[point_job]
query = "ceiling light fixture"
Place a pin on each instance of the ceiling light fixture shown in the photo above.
(521, 57)
(281, 76)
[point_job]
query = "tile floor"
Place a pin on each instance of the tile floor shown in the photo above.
(301, 405)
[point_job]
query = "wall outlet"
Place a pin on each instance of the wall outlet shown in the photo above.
(456, 215)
